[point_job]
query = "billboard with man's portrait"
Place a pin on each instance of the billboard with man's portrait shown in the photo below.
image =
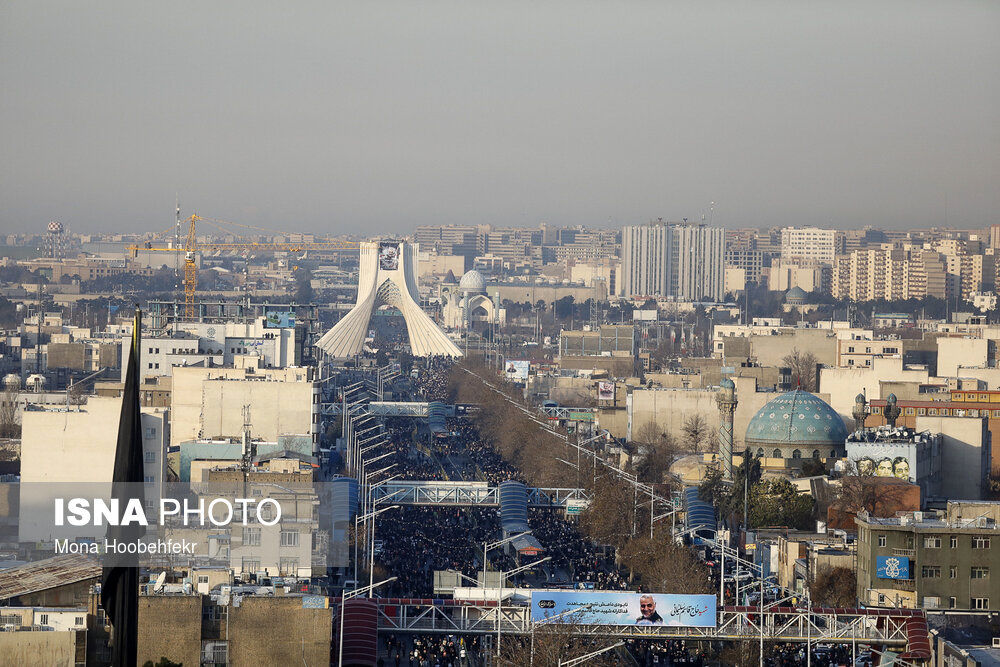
(623, 608)
(517, 369)
(605, 390)
(388, 255)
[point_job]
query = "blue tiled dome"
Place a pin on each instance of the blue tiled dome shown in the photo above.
(796, 418)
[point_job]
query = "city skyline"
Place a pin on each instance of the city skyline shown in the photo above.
(386, 118)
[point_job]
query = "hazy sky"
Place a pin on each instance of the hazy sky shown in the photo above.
(378, 116)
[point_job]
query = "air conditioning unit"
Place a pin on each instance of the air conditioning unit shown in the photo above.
(980, 522)
(918, 517)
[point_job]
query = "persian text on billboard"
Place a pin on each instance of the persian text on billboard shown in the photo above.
(617, 608)
(892, 567)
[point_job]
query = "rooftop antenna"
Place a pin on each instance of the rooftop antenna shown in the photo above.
(177, 231)
(249, 449)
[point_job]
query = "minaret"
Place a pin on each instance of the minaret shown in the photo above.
(860, 413)
(891, 411)
(726, 398)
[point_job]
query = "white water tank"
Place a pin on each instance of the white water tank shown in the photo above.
(11, 382)
(36, 383)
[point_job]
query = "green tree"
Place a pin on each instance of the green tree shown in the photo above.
(564, 307)
(776, 502)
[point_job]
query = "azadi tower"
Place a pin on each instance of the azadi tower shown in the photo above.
(388, 277)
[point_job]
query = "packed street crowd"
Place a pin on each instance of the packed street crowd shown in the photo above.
(416, 541)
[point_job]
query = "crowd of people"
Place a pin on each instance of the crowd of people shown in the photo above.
(431, 651)
(420, 540)
(585, 562)
(666, 652)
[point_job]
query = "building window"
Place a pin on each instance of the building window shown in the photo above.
(202, 578)
(979, 542)
(910, 411)
(816, 454)
(881, 540)
(760, 452)
(921, 412)
(251, 564)
(932, 412)
(288, 566)
(930, 571)
(150, 432)
(980, 603)
(932, 543)
(980, 572)
(78, 620)
(952, 602)
(149, 457)
(251, 536)
(953, 572)
(289, 538)
(148, 479)
(796, 454)
(777, 453)
(954, 542)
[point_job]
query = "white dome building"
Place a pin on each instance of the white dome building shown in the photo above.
(469, 303)
(472, 282)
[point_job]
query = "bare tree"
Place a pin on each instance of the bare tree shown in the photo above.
(10, 417)
(664, 566)
(865, 491)
(803, 366)
(696, 431)
(835, 587)
(659, 451)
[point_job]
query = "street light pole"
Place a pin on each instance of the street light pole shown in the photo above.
(344, 596)
(503, 575)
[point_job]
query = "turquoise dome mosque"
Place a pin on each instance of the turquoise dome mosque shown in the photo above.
(797, 425)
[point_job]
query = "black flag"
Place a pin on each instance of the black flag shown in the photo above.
(120, 581)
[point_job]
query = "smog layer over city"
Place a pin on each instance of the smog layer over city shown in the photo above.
(442, 334)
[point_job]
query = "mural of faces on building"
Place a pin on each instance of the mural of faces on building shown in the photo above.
(886, 467)
(866, 466)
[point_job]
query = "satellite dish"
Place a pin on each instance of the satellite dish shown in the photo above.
(160, 580)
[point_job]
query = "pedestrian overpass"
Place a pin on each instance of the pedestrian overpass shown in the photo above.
(470, 494)
(384, 409)
(899, 628)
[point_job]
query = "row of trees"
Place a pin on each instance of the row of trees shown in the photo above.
(613, 518)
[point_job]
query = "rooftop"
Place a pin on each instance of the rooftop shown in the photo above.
(49, 573)
(884, 434)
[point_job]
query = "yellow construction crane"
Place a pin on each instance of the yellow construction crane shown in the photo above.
(192, 247)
